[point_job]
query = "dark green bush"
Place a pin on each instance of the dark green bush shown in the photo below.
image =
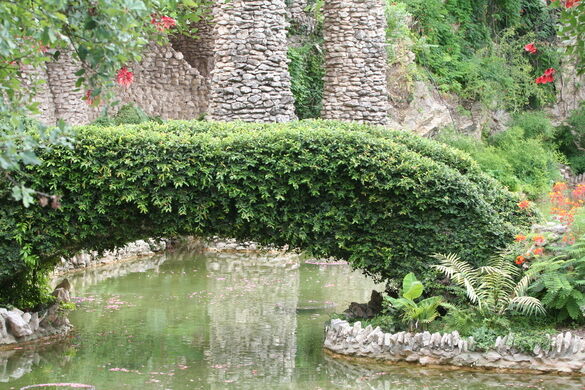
(307, 69)
(128, 114)
(571, 139)
(381, 199)
(520, 162)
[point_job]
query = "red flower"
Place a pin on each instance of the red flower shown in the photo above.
(168, 22)
(531, 48)
(524, 204)
(537, 251)
(547, 77)
(88, 99)
(164, 23)
(520, 237)
(538, 240)
(124, 77)
(520, 260)
(571, 3)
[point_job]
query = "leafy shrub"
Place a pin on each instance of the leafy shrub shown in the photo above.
(536, 125)
(416, 314)
(561, 282)
(571, 139)
(519, 162)
(342, 190)
(307, 69)
(129, 114)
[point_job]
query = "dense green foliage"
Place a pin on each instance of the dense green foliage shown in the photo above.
(523, 158)
(128, 114)
(378, 198)
(561, 284)
(307, 70)
(475, 48)
(571, 139)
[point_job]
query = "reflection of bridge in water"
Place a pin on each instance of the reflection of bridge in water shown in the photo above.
(252, 318)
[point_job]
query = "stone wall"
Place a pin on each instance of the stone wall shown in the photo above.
(165, 85)
(197, 50)
(17, 326)
(565, 354)
(250, 80)
(355, 61)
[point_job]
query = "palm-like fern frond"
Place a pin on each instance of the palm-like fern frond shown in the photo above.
(461, 273)
(527, 305)
(493, 287)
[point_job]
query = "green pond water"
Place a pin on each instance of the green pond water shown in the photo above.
(223, 321)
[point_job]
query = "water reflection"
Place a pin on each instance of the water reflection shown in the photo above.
(221, 321)
(252, 318)
(350, 375)
(16, 363)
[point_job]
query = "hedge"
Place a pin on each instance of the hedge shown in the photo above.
(381, 199)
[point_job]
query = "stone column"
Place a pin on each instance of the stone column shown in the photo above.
(67, 98)
(355, 61)
(250, 79)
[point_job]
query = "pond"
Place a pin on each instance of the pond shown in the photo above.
(223, 321)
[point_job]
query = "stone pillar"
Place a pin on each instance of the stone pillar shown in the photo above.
(67, 98)
(250, 79)
(355, 61)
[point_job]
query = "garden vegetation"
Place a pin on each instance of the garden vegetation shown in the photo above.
(381, 199)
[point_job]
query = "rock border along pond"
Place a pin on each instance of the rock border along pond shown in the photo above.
(566, 353)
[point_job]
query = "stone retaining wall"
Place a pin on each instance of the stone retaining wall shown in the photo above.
(566, 353)
(17, 326)
(91, 259)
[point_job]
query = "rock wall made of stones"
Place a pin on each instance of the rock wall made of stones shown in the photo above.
(165, 85)
(355, 61)
(566, 353)
(17, 326)
(67, 98)
(250, 79)
(197, 50)
(92, 259)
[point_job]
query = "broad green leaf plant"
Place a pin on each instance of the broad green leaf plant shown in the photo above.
(416, 314)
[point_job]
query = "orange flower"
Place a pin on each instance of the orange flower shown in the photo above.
(559, 186)
(538, 240)
(520, 237)
(520, 260)
(537, 251)
(524, 204)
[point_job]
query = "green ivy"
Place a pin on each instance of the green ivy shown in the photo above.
(381, 199)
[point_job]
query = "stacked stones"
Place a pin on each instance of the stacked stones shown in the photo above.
(355, 61)
(198, 50)
(131, 250)
(166, 85)
(67, 98)
(250, 80)
(566, 352)
(17, 326)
